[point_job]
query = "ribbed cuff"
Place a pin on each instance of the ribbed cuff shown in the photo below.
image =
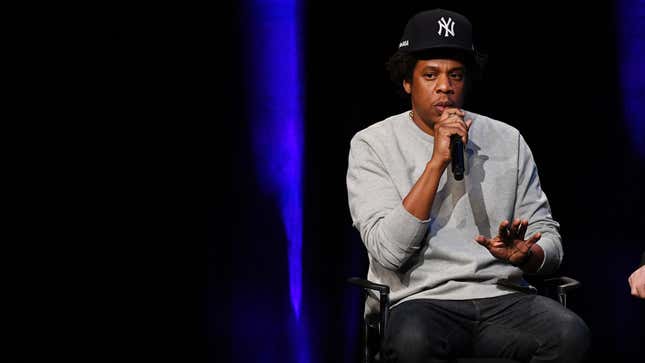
(551, 260)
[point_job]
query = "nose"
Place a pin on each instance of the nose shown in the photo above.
(444, 85)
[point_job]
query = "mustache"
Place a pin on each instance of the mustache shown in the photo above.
(445, 103)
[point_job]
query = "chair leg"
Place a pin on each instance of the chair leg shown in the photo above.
(366, 348)
(563, 299)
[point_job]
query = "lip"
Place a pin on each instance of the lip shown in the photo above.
(441, 106)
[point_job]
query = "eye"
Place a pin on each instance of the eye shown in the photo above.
(430, 75)
(457, 76)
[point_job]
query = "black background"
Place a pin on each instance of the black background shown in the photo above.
(552, 73)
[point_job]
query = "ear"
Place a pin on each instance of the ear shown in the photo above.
(407, 86)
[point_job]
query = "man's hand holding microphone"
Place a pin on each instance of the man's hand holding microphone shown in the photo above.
(451, 134)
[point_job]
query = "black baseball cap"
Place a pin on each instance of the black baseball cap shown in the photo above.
(437, 29)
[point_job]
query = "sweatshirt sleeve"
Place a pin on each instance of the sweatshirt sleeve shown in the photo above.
(390, 233)
(531, 203)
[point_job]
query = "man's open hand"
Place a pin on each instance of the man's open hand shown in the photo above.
(509, 245)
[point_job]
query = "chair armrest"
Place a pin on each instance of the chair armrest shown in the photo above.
(384, 304)
(562, 284)
(366, 284)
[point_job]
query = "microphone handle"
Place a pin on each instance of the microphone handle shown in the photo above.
(457, 153)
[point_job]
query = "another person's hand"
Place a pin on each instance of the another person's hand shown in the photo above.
(450, 123)
(509, 245)
(637, 282)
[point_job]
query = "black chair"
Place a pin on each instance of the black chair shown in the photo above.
(374, 325)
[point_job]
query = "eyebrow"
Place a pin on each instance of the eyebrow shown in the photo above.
(449, 70)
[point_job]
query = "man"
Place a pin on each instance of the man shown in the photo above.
(453, 251)
(637, 280)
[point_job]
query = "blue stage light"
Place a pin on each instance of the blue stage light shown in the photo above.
(272, 78)
(630, 24)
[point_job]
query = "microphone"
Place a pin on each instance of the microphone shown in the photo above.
(457, 153)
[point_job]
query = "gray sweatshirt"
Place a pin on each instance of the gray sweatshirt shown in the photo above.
(438, 258)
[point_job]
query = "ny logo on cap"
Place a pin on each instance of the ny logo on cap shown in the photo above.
(443, 24)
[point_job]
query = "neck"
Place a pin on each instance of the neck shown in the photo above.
(427, 127)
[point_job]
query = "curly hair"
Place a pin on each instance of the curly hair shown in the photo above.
(401, 65)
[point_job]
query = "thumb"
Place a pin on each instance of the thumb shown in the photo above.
(482, 240)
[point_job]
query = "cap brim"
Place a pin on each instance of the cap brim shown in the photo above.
(432, 47)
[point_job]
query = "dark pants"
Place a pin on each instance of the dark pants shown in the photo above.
(527, 328)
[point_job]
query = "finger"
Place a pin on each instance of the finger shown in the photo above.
(453, 123)
(503, 229)
(497, 243)
(467, 123)
(482, 241)
(464, 137)
(638, 291)
(521, 232)
(452, 115)
(513, 230)
(451, 128)
(453, 110)
(531, 241)
(455, 129)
